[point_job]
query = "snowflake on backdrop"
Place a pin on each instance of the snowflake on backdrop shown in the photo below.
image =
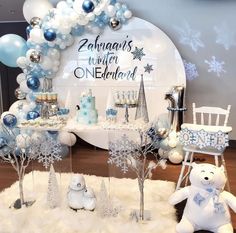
(122, 152)
(216, 66)
(48, 151)
(148, 68)
(225, 36)
(190, 70)
(138, 53)
(189, 36)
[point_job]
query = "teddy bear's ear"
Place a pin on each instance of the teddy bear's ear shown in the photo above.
(222, 168)
(194, 165)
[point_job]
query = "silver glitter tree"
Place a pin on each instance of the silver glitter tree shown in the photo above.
(141, 111)
(129, 154)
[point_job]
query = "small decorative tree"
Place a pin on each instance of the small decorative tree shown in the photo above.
(53, 195)
(126, 153)
(18, 157)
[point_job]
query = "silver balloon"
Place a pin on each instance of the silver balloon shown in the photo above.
(176, 107)
(35, 56)
(115, 24)
(20, 95)
(35, 21)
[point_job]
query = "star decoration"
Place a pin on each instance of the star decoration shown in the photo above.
(148, 68)
(138, 53)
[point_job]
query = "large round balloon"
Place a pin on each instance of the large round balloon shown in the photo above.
(36, 8)
(33, 83)
(11, 48)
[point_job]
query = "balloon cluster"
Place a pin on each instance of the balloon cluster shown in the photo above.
(51, 30)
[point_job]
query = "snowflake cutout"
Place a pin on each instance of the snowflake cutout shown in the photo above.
(148, 68)
(122, 152)
(219, 140)
(186, 137)
(225, 36)
(202, 139)
(48, 151)
(190, 70)
(138, 53)
(190, 37)
(215, 66)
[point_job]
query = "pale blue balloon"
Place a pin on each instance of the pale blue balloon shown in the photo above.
(11, 48)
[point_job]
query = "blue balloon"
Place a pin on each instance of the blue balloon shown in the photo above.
(77, 30)
(11, 48)
(9, 120)
(113, 2)
(64, 151)
(33, 83)
(3, 142)
(32, 115)
(50, 35)
(88, 6)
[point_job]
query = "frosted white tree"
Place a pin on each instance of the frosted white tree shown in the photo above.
(105, 206)
(215, 66)
(225, 36)
(125, 153)
(53, 194)
(189, 36)
(190, 70)
(18, 157)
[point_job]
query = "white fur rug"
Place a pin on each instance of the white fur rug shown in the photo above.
(40, 219)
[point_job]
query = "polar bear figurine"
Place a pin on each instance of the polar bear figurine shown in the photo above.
(79, 196)
(207, 203)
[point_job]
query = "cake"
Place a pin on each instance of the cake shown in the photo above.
(87, 113)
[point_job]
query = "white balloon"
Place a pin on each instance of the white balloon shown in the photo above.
(66, 138)
(46, 63)
(38, 137)
(22, 62)
(54, 53)
(23, 141)
(175, 156)
(20, 78)
(70, 40)
(62, 5)
(77, 6)
(24, 87)
(90, 16)
(172, 143)
(36, 35)
(36, 8)
(128, 14)
(26, 108)
(111, 10)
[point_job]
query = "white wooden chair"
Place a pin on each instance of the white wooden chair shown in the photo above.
(205, 116)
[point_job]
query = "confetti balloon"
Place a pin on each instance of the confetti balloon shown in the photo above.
(10, 120)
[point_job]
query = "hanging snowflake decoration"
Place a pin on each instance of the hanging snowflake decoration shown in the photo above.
(215, 66)
(225, 36)
(122, 152)
(138, 53)
(48, 151)
(190, 37)
(190, 70)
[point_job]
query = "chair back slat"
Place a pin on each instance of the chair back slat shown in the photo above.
(211, 115)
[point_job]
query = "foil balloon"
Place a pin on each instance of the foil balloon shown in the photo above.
(115, 24)
(35, 56)
(35, 21)
(33, 83)
(176, 107)
(10, 120)
(88, 6)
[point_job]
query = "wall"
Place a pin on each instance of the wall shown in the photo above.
(203, 17)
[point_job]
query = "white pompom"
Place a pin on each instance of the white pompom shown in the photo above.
(66, 138)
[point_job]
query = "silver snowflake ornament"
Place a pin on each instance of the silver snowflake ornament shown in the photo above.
(138, 53)
(123, 153)
(215, 66)
(189, 36)
(190, 70)
(225, 36)
(148, 68)
(48, 151)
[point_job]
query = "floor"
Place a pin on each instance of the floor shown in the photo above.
(89, 160)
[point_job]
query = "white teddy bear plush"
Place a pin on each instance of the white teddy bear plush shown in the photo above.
(80, 197)
(207, 203)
